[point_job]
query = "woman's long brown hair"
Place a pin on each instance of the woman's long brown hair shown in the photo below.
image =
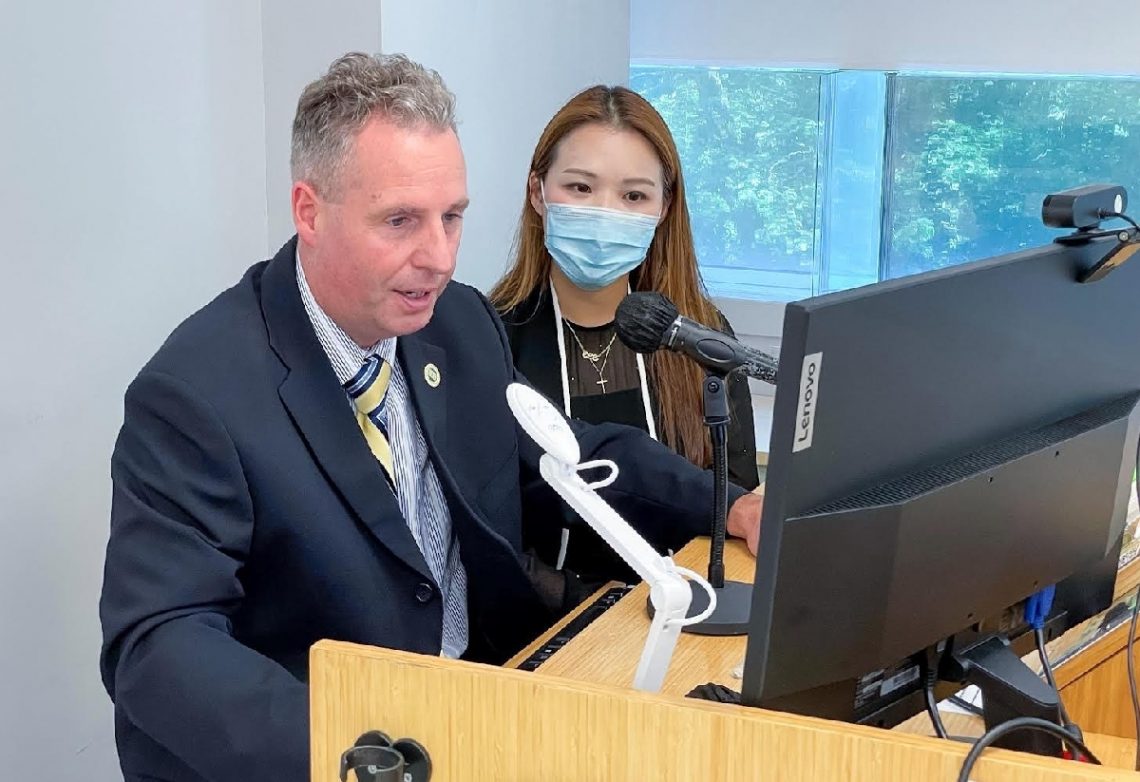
(670, 266)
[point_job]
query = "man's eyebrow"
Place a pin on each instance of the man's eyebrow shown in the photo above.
(405, 210)
(379, 215)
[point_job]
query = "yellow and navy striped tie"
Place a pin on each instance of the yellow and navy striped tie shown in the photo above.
(368, 390)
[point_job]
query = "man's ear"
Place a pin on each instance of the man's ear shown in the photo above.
(306, 212)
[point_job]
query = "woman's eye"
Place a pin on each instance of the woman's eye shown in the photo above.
(580, 187)
(635, 196)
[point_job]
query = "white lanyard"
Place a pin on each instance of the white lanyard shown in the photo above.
(566, 376)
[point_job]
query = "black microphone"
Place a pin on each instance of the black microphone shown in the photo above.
(649, 321)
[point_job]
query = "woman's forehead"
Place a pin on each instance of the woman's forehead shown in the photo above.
(607, 152)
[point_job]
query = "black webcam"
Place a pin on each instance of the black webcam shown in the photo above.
(1083, 208)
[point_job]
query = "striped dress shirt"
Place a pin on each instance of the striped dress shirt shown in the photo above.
(418, 490)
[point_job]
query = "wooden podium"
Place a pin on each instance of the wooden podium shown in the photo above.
(576, 718)
(481, 723)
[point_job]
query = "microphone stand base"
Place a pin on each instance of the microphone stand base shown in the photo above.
(730, 617)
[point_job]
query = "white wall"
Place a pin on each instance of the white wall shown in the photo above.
(511, 64)
(132, 157)
(300, 40)
(1024, 36)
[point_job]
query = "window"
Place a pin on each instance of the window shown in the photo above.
(972, 157)
(749, 141)
(803, 182)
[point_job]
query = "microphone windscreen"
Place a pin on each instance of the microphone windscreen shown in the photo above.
(642, 320)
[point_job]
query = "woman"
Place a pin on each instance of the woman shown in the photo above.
(605, 214)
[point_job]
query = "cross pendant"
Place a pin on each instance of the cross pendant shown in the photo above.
(602, 382)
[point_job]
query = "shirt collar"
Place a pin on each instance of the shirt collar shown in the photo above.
(343, 353)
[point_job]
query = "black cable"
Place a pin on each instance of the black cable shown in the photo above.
(1132, 668)
(1019, 724)
(1121, 216)
(929, 677)
(1047, 667)
(965, 705)
(1039, 638)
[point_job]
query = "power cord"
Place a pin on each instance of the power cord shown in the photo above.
(1046, 666)
(928, 679)
(1037, 610)
(965, 705)
(1019, 724)
(928, 669)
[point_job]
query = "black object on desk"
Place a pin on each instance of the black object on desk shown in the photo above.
(718, 693)
(733, 598)
(601, 604)
(647, 322)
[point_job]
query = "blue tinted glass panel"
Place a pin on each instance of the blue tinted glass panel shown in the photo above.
(971, 158)
(852, 182)
(749, 141)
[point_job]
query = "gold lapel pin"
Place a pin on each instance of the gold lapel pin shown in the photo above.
(431, 375)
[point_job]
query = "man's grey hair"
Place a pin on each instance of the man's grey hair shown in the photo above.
(357, 87)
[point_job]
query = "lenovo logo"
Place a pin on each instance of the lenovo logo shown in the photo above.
(809, 401)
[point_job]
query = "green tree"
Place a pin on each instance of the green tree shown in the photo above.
(969, 159)
(972, 158)
(748, 142)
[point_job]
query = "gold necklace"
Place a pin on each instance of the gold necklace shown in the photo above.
(591, 357)
(594, 358)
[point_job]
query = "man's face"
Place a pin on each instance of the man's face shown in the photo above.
(380, 251)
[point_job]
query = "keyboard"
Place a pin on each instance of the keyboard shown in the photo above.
(601, 604)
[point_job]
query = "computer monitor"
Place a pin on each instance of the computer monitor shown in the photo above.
(943, 446)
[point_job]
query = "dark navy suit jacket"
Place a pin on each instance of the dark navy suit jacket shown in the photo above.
(250, 519)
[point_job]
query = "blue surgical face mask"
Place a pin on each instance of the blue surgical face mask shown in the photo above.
(594, 246)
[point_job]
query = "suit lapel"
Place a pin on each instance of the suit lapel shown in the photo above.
(425, 368)
(321, 411)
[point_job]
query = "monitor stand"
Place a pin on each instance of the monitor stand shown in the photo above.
(1010, 689)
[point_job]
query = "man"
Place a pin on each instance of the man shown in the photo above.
(325, 451)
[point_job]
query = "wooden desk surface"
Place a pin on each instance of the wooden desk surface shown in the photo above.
(608, 650)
